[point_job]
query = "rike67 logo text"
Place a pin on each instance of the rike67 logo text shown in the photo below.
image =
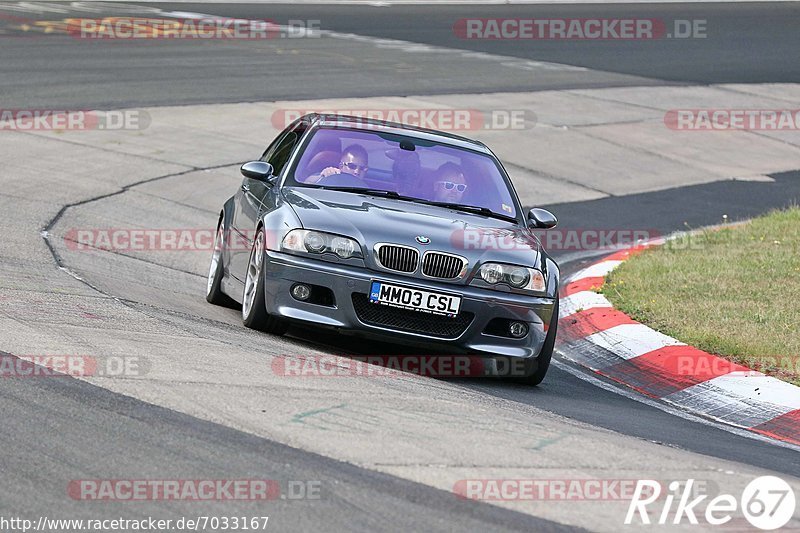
(767, 502)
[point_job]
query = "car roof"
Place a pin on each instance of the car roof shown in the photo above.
(354, 122)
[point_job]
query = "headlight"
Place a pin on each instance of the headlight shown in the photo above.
(513, 276)
(519, 277)
(314, 242)
(492, 273)
(343, 247)
(318, 242)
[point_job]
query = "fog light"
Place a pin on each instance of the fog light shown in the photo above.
(301, 292)
(518, 329)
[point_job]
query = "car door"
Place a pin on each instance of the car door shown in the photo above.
(250, 201)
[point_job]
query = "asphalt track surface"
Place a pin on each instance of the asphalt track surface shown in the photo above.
(124, 438)
(81, 430)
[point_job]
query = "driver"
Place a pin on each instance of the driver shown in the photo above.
(354, 161)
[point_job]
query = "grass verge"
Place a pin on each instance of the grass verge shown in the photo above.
(734, 292)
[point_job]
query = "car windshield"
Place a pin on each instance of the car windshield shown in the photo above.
(406, 166)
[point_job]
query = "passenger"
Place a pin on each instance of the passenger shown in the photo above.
(450, 184)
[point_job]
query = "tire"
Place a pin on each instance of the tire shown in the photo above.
(543, 361)
(254, 311)
(214, 292)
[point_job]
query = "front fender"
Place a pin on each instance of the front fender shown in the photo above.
(278, 222)
(553, 276)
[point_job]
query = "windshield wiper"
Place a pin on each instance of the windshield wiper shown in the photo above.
(485, 211)
(367, 190)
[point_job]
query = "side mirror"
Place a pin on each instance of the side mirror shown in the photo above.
(542, 218)
(257, 170)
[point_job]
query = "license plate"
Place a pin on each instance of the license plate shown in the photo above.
(418, 300)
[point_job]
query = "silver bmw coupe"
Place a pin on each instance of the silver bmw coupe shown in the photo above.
(387, 230)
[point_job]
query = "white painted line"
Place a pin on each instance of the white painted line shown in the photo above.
(417, 48)
(708, 399)
(671, 409)
(759, 388)
(631, 340)
(388, 3)
(600, 269)
(581, 300)
(411, 47)
(759, 178)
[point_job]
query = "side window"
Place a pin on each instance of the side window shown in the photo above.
(271, 148)
(279, 152)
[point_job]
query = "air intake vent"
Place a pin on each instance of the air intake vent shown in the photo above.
(410, 321)
(443, 266)
(397, 258)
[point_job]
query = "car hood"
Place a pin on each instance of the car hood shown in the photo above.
(371, 219)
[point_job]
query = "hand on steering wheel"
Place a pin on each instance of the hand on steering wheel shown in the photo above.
(329, 171)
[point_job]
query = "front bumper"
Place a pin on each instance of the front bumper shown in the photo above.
(284, 270)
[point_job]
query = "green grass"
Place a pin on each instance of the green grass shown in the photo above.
(734, 292)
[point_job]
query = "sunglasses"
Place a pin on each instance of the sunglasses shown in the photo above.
(355, 167)
(449, 185)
